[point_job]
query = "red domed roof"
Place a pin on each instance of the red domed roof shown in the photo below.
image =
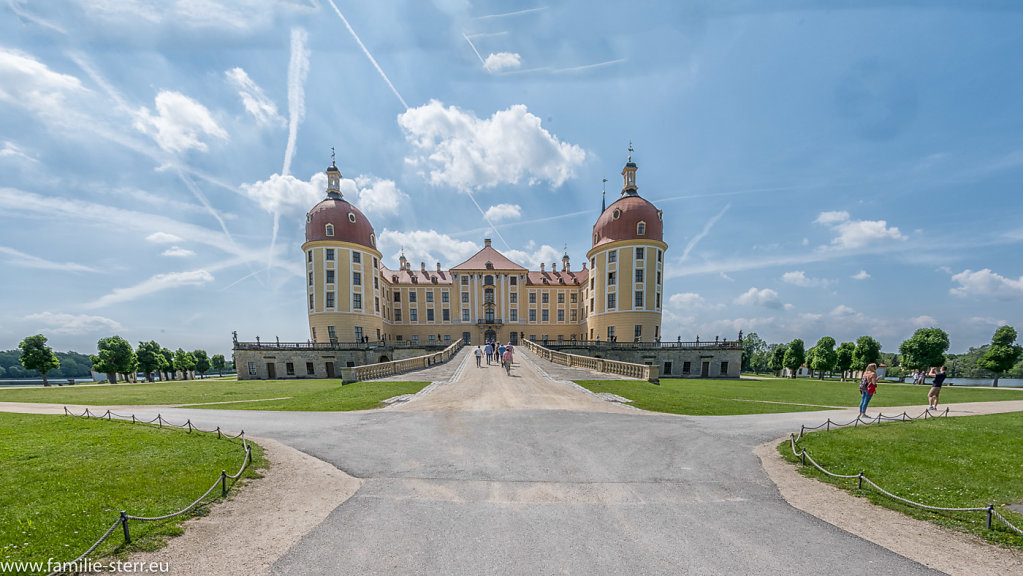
(349, 223)
(621, 221)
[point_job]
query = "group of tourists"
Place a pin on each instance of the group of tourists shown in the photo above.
(868, 387)
(494, 352)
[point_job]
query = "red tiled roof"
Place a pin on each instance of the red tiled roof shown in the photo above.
(488, 254)
(548, 278)
(631, 210)
(415, 277)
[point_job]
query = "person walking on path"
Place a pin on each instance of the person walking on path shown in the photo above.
(500, 353)
(510, 350)
(506, 359)
(479, 356)
(932, 395)
(868, 385)
(489, 352)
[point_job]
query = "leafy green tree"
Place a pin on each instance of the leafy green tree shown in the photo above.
(150, 359)
(1003, 354)
(925, 349)
(844, 357)
(168, 366)
(823, 357)
(202, 361)
(183, 361)
(752, 344)
(36, 355)
(2, 371)
(116, 356)
(868, 351)
(795, 356)
(217, 362)
(777, 361)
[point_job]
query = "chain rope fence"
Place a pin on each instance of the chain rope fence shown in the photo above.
(124, 517)
(805, 457)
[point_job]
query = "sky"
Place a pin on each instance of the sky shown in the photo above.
(839, 172)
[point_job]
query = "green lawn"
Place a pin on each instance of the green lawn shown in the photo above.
(306, 395)
(957, 462)
(64, 481)
(698, 396)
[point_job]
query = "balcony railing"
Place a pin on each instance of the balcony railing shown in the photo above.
(627, 369)
(496, 321)
(604, 344)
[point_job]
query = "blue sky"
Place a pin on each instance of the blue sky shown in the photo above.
(842, 172)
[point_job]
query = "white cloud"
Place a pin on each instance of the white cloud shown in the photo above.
(504, 212)
(766, 297)
(467, 152)
(923, 322)
(157, 283)
(985, 283)
(256, 102)
(73, 324)
(842, 310)
(27, 82)
(374, 195)
(236, 15)
(178, 252)
(798, 278)
(502, 61)
(286, 194)
(427, 246)
(854, 234)
(179, 124)
(18, 258)
(685, 300)
(12, 150)
(163, 238)
(533, 256)
(861, 275)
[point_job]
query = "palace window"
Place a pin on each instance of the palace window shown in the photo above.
(358, 333)
(429, 296)
(252, 368)
(574, 298)
(412, 296)
(545, 315)
(413, 315)
(331, 333)
(641, 229)
(397, 296)
(561, 315)
(639, 299)
(351, 217)
(444, 297)
(488, 280)
(610, 300)
(610, 278)
(356, 278)
(513, 315)
(639, 253)
(610, 332)
(532, 297)
(561, 297)
(357, 301)
(465, 315)
(513, 280)
(446, 315)
(639, 275)
(376, 304)
(488, 295)
(658, 300)
(532, 315)
(429, 314)
(658, 277)
(330, 229)
(612, 256)
(290, 368)
(724, 368)
(330, 253)
(310, 256)
(658, 255)
(513, 297)
(465, 297)
(310, 301)
(309, 369)
(575, 317)
(397, 314)
(544, 298)
(357, 257)
(330, 299)
(310, 278)
(330, 276)
(465, 280)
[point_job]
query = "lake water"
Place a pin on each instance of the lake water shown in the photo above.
(1002, 382)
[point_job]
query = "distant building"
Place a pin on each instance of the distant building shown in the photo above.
(354, 300)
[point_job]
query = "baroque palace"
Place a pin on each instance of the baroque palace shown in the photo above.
(362, 312)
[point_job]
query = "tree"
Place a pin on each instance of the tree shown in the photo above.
(168, 366)
(1002, 355)
(217, 362)
(150, 359)
(795, 355)
(925, 349)
(115, 357)
(183, 361)
(868, 351)
(844, 357)
(752, 344)
(823, 357)
(36, 355)
(777, 361)
(202, 361)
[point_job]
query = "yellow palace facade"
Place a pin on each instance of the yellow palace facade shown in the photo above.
(615, 295)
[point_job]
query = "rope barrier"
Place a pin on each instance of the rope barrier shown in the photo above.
(804, 456)
(124, 517)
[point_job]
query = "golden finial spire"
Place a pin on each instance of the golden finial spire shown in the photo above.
(630, 150)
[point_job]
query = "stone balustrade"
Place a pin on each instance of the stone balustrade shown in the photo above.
(383, 369)
(627, 369)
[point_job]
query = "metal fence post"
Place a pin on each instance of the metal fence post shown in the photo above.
(223, 482)
(189, 422)
(802, 455)
(828, 425)
(859, 482)
(124, 524)
(990, 510)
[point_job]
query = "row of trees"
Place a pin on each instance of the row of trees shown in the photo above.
(72, 365)
(925, 349)
(116, 356)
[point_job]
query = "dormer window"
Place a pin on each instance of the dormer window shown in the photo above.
(351, 217)
(373, 240)
(616, 214)
(641, 229)
(330, 229)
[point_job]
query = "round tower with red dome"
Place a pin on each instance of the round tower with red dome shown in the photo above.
(342, 263)
(626, 267)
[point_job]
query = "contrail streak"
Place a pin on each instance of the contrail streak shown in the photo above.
(487, 220)
(706, 230)
(298, 69)
(368, 55)
(516, 13)
(473, 46)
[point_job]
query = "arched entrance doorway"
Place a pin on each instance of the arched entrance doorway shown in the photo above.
(490, 336)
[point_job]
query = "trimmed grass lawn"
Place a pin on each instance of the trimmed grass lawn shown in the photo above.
(64, 481)
(959, 462)
(697, 396)
(303, 395)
